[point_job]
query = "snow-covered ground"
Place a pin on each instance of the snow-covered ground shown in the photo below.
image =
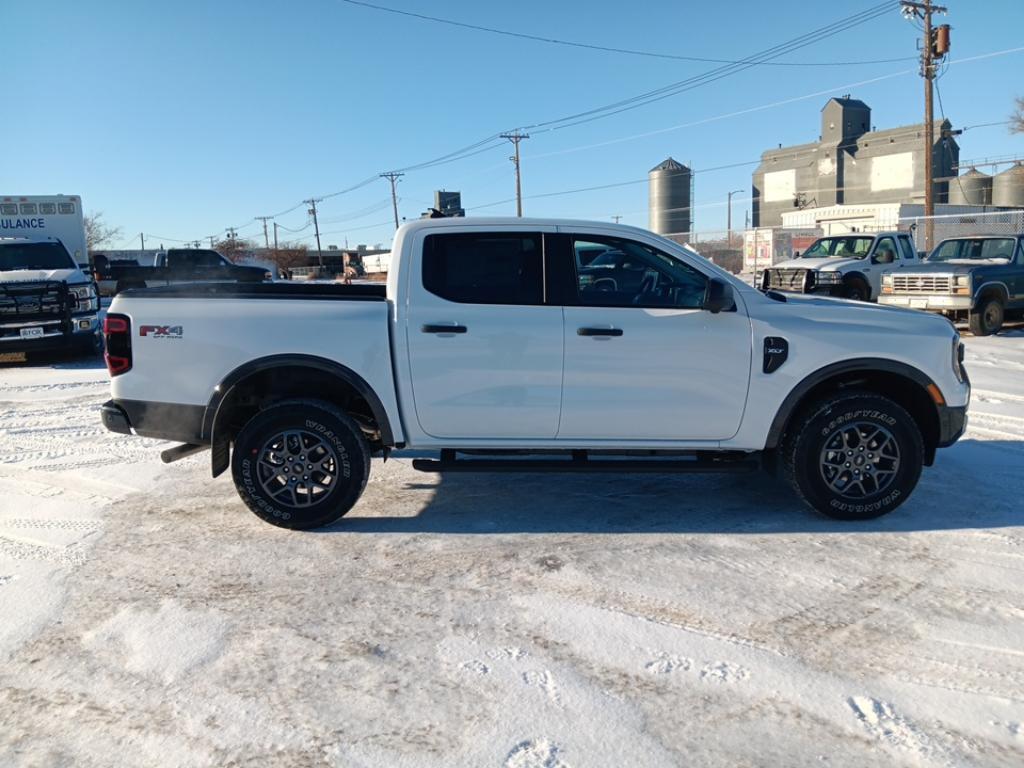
(146, 618)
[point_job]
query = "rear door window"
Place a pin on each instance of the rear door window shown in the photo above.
(485, 268)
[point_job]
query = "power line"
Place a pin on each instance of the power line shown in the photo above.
(606, 48)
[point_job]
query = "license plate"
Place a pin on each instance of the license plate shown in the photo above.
(31, 333)
(919, 303)
(13, 357)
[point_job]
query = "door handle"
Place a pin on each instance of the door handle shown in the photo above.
(439, 328)
(598, 331)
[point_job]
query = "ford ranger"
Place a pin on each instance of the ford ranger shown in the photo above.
(849, 266)
(493, 345)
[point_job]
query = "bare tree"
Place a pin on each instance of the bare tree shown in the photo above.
(290, 255)
(1017, 118)
(97, 233)
(235, 248)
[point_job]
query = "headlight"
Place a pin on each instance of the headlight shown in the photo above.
(887, 279)
(85, 297)
(958, 358)
(827, 278)
(962, 285)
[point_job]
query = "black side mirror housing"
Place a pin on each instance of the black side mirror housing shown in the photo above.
(719, 297)
(796, 254)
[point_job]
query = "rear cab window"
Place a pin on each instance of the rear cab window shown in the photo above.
(485, 268)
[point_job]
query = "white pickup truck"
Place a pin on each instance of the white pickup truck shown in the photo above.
(848, 266)
(499, 345)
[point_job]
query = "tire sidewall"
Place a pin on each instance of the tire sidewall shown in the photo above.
(822, 424)
(856, 290)
(994, 327)
(336, 429)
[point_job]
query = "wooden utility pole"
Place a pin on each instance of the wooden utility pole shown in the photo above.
(933, 48)
(142, 241)
(266, 238)
(316, 228)
(515, 137)
(393, 177)
(275, 237)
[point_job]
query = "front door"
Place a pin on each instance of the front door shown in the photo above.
(484, 352)
(643, 361)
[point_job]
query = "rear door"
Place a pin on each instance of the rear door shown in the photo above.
(485, 353)
(643, 361)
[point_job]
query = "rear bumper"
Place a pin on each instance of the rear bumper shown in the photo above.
(163, 421)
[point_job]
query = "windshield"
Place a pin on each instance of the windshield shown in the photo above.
(978, 249)
(839, 247)
(34, 256)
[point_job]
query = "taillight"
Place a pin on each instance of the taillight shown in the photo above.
(117, 335)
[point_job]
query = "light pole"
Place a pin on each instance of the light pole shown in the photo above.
(728, 217)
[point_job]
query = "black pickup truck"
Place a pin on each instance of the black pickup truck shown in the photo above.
(177, 265)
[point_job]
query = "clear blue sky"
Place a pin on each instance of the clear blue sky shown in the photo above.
(180, 119)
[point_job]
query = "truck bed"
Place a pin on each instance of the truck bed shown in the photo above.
(233, 290)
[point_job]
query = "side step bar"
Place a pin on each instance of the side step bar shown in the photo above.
(447, 463)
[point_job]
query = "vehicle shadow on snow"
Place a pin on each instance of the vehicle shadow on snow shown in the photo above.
(59, 361)
(972, 485)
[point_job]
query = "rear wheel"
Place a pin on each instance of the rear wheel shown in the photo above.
(300, 464)
(987, 318)
(854, 456)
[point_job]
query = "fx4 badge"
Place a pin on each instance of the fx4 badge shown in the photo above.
(161, 331)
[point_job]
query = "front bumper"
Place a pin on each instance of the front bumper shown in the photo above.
(79, 330)
(952, 424)
(934, 302)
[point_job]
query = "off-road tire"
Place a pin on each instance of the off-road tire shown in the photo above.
(808, 455)
(856, 289)
(266, 490)
(988, 318)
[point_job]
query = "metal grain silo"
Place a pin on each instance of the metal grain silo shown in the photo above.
(670, 212)
(971, 188)
(1008, 187)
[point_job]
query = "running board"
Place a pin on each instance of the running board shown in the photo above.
(178, 452)
(584, 465)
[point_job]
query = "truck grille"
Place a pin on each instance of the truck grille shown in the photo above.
(922, 283)
(34, 302)
(787, 279)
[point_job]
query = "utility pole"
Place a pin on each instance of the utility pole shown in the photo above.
(142, 241)
(213, 240)
(265, 219)
(616, 219)
(232, 233)
(393, 177)
(316, 228)
(728, 217)
(275, 237)
(515, 137)
(933, 48)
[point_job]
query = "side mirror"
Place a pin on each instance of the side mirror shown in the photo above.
(796, 254)
(719, 297)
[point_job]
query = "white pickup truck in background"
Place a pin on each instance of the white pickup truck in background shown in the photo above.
(499, 345)
(849, 266)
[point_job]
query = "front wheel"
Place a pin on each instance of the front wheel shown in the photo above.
(300, 464)
(988, 318)
(856, 290)
(854, 456)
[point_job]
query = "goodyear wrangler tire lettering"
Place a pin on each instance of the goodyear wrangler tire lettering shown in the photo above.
(300, 464)
(854, 455)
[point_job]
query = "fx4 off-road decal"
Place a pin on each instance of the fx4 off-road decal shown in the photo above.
(161, 331)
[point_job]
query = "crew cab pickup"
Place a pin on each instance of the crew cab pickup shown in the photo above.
(176, 265)
(491, 346)
(849, 266)
(978, 279)
(46, 302)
